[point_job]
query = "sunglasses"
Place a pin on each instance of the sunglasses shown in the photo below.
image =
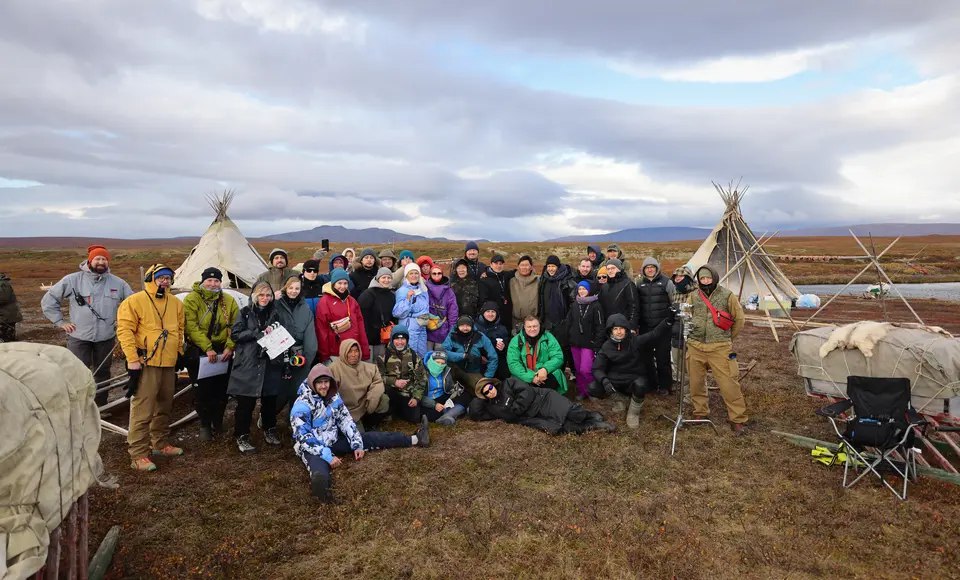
(486, 389)
(436, 273)
(603, 277)
(311, 271)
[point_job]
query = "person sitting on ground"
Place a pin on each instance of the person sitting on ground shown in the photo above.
(361, 386)
(404, 376)
(654, 301)
(411, 308)
(515, 401)
(585, 333)
(495, 287)
(443, 305)
(620, 365)
(209, 314)
(311, 284)
(489, 324)
(254, 376)
(710, 346)
(470, 354)
(619, 294)
(318, 419)
(376, 304)
(615, 253)
(534, 356)
(93, 295)
(388, 259)
(10, 313)
(466, 288)
(524, 293)
(406, 257)
(339, 318)
(278, 271)
(364, 271)
(471, 254)
(445, 399)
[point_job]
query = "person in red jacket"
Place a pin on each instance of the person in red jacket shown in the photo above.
(339, 318)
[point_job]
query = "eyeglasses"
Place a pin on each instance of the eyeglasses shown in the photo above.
(436, 273)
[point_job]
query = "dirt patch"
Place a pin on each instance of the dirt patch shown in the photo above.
(493, 500)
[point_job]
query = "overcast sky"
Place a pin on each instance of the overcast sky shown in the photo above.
(496, 119)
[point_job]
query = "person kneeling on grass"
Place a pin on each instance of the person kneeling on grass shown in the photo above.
(515, 401)
(323, 429)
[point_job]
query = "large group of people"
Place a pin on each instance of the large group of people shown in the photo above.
(382, 335)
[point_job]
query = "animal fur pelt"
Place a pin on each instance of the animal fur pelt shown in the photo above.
(861, 335)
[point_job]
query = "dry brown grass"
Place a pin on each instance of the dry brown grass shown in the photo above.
(493, 500)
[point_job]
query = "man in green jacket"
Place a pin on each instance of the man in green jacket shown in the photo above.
(209, 314)
(9, 310)
(534, 356)
(710, 346)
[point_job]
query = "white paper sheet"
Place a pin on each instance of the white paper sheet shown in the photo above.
(209, 369)
(278, 341)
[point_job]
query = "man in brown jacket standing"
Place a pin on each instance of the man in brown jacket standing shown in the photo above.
(710, 346)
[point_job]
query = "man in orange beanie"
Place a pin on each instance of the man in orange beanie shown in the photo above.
(94, 294)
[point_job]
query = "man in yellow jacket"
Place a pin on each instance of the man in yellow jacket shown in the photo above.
(150, 329)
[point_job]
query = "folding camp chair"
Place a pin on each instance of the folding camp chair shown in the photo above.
(882, 420)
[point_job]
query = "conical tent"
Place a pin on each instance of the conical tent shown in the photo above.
(733, 250)
(224, 247)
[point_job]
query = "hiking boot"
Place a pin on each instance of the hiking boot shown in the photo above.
(168, 451)
(143, 464)
(633, 413)
(320, 487)
(739, 429)
(423, 433)
(206, 434)
(244, 445)
(619, 403)
(270, 436)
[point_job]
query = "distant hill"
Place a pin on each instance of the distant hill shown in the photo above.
(340, 233)
(668, 234)
(886, 230)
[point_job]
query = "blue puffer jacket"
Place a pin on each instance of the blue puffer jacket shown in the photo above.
(407, 310)
(318, 421)
(468, 351)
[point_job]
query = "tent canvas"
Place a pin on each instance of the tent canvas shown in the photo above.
(222, 246)
(733, 250)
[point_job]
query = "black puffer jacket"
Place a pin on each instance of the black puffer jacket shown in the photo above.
(376, 305)
(619, 296)
(622, 362)
(584, 325)
(496, 288)
(361, 278)
(520, 402)
(655, 296)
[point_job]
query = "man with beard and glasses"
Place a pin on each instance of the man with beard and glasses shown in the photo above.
(94, 295)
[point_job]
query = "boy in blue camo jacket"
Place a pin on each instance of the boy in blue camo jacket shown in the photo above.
(319, 417)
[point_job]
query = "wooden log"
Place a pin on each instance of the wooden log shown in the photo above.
(83, 505)
(71, 540)
(53, 555)
(810, 443)
(101, 560)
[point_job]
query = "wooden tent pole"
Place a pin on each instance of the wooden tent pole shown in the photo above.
(774, 294)
(880, 269)
(854, 279)
(753, 276)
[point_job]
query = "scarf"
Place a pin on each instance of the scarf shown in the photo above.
(589, 299)
(291, 302)
(435, 369)
(531, 352)
(341, 296)
(263, 314)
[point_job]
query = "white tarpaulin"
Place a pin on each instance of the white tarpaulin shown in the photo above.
(49, 437)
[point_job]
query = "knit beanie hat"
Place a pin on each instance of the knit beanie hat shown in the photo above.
(497, 258)
(338, 274)
(615, 263)
(312, 264)
(406, 254)
(95, 250)
(585, 284)
(367, 252)
(553, 260)
(211, 272)
(423, 260)
(471, 245)
(465, 320)
(400, 331)
(489, 305)
(275, 251)
(384, 271)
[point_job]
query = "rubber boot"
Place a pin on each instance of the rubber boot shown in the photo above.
(633, 413)
(449, 417)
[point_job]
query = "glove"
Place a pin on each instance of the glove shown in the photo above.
(607, 386)
(134, 382)
(671, 316)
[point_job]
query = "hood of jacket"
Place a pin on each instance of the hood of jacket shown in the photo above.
(337, 257)
(596, 250)
(618, 320)
(708, 290)
(650, 261)
(345, 348)
(85, 268)
(321, 371)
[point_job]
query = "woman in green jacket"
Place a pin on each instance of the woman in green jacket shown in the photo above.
(209, 314)
(534, 356)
